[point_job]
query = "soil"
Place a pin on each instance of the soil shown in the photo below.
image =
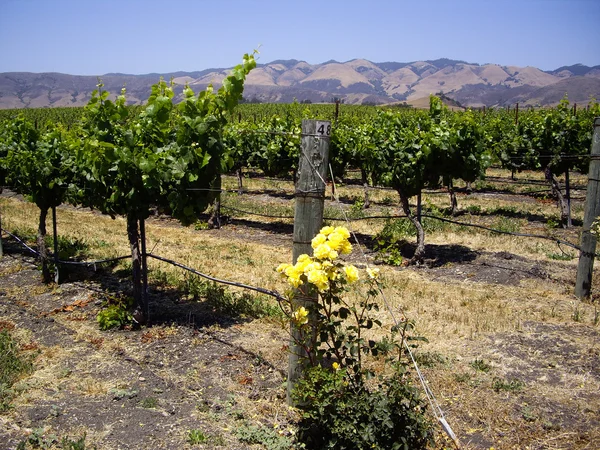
(127, 389)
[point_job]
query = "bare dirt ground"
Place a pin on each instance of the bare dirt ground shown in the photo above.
(129, 389)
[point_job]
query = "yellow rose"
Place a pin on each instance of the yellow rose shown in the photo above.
(373, 273)
(324, 251)
(302, 258)
(282, 267)
(335, 366)
(319, 279)
(295, 281)
(326, 230)
(351, 273)
(346, 248)
(335, 240)
(302, 262)
(318, 240)
(294, 275)
(300, 316)
(312, 266)
(343, 231)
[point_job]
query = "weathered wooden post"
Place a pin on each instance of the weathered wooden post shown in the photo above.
(583, 284)
(308, 220)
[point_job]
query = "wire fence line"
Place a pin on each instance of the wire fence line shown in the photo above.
(52, 259)
(429, 216)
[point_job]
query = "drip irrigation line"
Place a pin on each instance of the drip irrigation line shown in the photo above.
(233, 191)
(280, 298)
(560, 157)
(279, 133)
(276, 133)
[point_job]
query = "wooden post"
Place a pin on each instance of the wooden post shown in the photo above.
(337, 111)
(583, 284)
(308, 220)
(517, 114)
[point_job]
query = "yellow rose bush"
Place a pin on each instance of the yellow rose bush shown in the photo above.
(324, 267)
(340, 409)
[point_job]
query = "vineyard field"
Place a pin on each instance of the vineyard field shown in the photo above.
(172, 222)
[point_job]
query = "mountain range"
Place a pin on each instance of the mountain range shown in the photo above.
(355, 82)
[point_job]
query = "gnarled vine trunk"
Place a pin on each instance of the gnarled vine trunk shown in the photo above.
(133, 235)
(365, 182)
(420, 250)
(453, 201)
(214, 221)
(469, 187)
(558, 195)
(568, 198)
(41, 243)
(240, 177)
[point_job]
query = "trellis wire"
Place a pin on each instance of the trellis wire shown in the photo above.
(60, 261)
(429, 216)
(275, 294)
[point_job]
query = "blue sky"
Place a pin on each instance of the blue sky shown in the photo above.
(86, 37)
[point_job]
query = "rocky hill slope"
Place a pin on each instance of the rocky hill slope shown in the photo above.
(356, 81)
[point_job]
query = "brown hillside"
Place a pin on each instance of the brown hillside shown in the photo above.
(355, 81)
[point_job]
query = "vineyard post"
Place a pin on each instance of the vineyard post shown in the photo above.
(308, 220)
(583, 285)
(517, 114)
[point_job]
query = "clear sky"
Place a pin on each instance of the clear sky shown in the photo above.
(86, 37)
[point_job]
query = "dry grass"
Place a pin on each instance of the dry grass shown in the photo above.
(516, 328)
